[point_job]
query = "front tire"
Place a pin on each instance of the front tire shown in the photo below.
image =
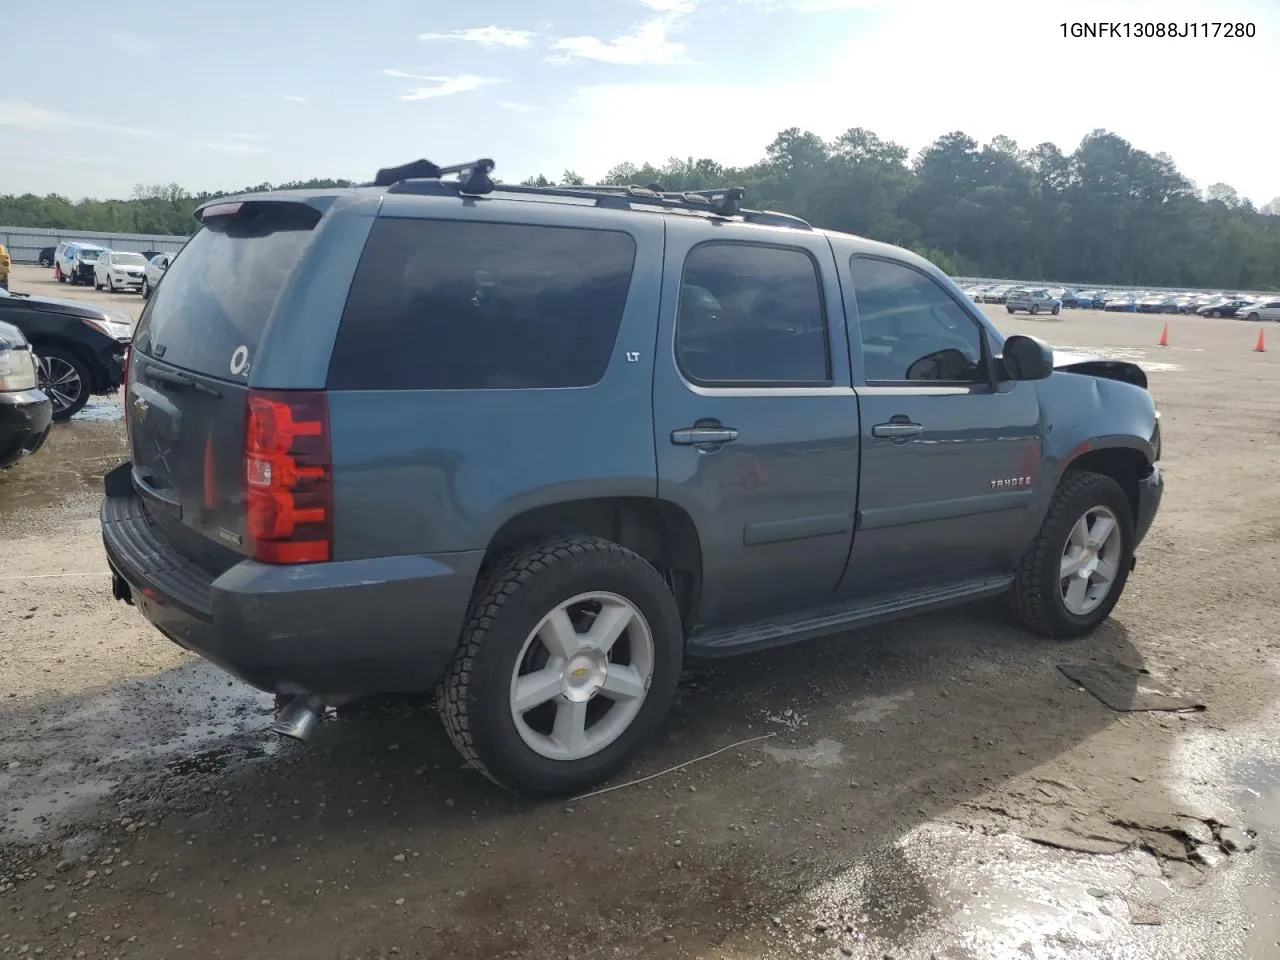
(1075, 570)
(65, 379)
(1253, 316)
(146, 289)
(568, 663)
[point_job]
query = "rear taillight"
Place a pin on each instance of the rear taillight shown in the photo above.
(288, 477)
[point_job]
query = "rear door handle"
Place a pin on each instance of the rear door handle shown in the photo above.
(897, 429)
(697, 436)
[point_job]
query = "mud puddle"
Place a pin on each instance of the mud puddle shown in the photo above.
(59, 758)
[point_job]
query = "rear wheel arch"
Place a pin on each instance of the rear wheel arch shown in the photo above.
(657, 530)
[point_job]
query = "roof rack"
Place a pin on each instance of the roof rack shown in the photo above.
(425, 178)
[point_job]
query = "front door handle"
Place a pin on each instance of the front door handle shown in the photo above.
(697, 436)
(897, 429)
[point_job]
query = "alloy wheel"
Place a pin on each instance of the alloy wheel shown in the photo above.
(582, 676)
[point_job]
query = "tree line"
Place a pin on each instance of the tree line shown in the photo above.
(1105, 213)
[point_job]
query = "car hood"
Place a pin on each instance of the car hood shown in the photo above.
(1070, 361)
(75, 308)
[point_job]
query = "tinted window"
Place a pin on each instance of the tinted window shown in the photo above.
(220, 296)
(910, 327)
(457, 305)
(751, 314)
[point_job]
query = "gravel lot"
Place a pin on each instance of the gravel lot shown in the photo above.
(145, 811)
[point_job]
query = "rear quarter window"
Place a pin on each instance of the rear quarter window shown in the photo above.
(464, 305)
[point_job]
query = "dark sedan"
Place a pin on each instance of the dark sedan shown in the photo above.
(46, 256)
(1223, 308)
(80, 347)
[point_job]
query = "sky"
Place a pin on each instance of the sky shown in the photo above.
(220, 96)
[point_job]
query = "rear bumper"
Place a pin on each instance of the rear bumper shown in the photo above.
(355, 627)
(1150, 492)
(25, 417)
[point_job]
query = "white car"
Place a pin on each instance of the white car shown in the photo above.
(156, 267)
(1262, 310)
(119, 271)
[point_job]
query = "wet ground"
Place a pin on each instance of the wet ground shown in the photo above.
(924, 789)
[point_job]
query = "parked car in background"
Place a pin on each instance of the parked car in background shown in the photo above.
(80, 347)
(25, 411)
(1260, 310)
(997, 293)
(45, 257)
(73, 262)
(150, 254)
(1158, 303)
(261, 519)
(1032, 302)
(1083, 300)
(119, 270)
(1120, 301)
(155, 269)
(1224, 308)
(6, 265)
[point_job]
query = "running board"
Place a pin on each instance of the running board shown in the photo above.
(778, 631)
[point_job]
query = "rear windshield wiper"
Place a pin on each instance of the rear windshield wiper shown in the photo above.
(178, 380)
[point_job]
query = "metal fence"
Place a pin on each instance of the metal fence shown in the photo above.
(25, 243)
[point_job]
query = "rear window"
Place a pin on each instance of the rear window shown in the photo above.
(458, 305)
(216, 298)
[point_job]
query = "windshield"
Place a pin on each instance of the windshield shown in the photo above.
(88, 253)
(129, 259)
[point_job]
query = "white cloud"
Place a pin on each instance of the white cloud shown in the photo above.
(516, 107)
(647, 44)
(441, 86)
(294, 98)
(246, 136)
(924, 67)
(672, 6)
(131, 44)
(230, 146)
(490, 36)
(28, 117)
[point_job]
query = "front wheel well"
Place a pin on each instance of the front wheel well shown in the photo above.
(1125, 466)
(658, 530)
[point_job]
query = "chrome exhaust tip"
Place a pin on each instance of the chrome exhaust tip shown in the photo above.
(300, 717)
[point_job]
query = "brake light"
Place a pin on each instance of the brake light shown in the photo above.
(288, 477)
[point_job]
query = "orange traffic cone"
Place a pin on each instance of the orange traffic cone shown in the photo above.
(1164, 336)
(1260, 346)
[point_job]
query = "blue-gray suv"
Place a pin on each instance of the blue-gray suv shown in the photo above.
(534, 447)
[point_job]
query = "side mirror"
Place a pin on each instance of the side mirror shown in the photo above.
(1027, 358)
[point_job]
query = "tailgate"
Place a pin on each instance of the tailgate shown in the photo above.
(189, 372)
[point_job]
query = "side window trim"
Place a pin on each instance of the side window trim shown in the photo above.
(738, 386)
(951, 385)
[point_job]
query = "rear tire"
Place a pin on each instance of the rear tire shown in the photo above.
(1039, 599)
(511, 636)
(146, 289)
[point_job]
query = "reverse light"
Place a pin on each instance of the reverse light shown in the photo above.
(288, 477)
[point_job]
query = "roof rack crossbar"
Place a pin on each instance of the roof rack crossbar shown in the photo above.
(473, 177)
(721, 202)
